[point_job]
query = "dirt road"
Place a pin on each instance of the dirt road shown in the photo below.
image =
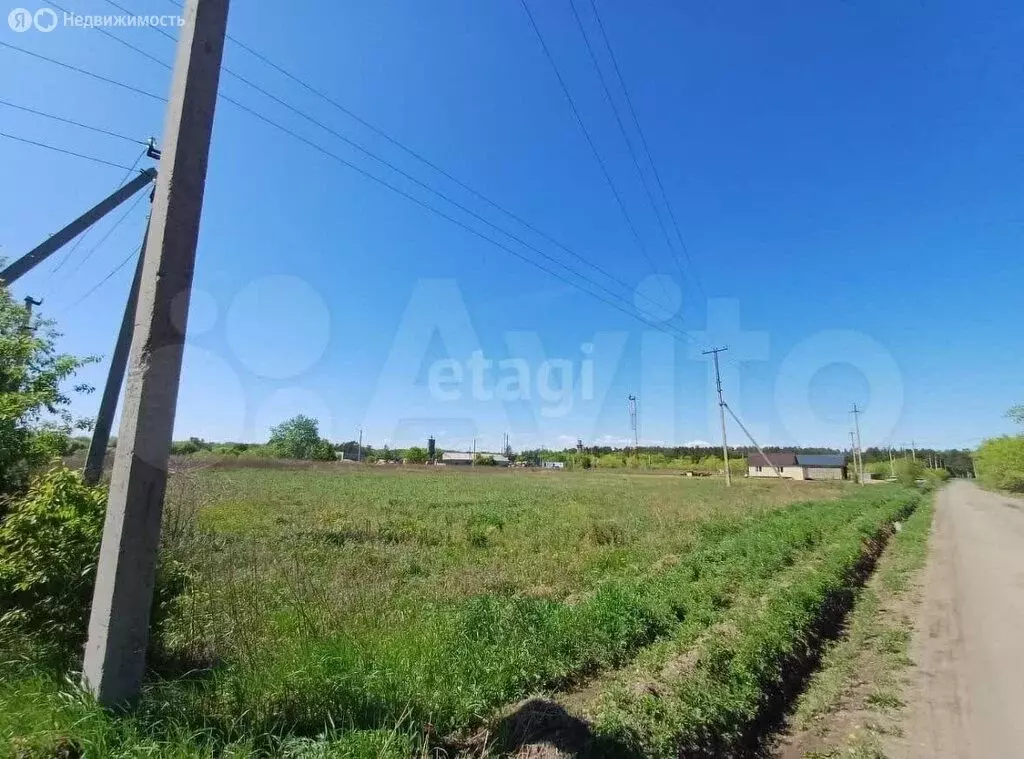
(968, 696)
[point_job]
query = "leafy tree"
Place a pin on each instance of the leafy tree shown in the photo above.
(909, 471)
(35, 421)
(417, 455)
(1016, 414)
(299, 438)
(1000, 463)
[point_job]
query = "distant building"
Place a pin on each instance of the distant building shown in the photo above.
(455, 458)
(797, 466)
(828, 466)
(766, 466)
(553, 464)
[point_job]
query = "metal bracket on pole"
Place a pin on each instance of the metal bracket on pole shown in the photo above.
(40, 253)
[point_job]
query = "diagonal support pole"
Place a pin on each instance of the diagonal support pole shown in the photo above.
(40, 253)
(115, 376)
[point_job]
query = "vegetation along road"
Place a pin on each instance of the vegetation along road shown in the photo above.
(968, 693)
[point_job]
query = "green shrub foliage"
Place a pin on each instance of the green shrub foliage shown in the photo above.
(49, 544)
(1000, 463)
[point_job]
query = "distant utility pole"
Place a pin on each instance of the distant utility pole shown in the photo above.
(892, 463)
(359, 450)
(473, 462)
(633, 423)
(913, 449)
(118, 635)
(721, 412)
(860, 451)
(853, 450)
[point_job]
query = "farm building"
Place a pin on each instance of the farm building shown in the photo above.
(455, 458)
(828, 466)
(798, 466)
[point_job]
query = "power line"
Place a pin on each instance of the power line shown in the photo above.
(54, 148)
(108, 233)
(646, 147)
(628, 309)
(625, 137)
(84, 72)
(590, 142)
(460, 224)
(54, 117)
(367, 152)
(103, 281)
(81, 237)
(402, 173)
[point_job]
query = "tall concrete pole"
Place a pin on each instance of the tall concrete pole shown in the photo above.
(115, 651)
(359, 454)
(721, 413)
(115, 376)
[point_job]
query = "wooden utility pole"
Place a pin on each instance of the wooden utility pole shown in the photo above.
(115, 377)
(115, 651)
(721, 413)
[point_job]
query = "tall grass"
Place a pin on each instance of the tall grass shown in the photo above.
(381, 612)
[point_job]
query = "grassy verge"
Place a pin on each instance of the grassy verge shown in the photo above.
(854, 699)
(712, 697)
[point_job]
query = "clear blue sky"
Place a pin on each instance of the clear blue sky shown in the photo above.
(848, 178)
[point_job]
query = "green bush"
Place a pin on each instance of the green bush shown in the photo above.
(49, 544)
(909, 471)
(1000, 463)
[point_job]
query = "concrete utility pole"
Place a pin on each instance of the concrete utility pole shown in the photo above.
(359, 451)
(115, 651)
(892, 463)
(633, 425)
(41, 252)
(913, 449)
(853, 450)
(29, 303)
(115, 376)
(860, 451)
(721, 413)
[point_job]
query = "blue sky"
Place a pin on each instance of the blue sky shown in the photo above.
(847, 177)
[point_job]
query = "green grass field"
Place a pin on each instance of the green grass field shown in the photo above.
(370, 611)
